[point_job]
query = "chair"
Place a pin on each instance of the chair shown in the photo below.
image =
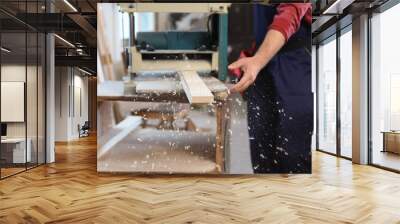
(84, 130)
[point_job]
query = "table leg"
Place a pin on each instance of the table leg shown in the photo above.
(220, 136)
(105, 116)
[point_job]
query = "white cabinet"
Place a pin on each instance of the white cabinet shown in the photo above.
(17, 147)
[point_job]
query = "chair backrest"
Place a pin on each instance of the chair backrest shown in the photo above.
(86, 125)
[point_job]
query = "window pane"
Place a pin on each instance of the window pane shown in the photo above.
(386, 89)
(327, 97)
(31, 98)
(22, 88)
(346, 94)
(14, 153)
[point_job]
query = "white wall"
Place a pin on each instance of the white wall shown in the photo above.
(62, 81)
(33, 126)
(70, 83)
(80, 103)
(16, 73)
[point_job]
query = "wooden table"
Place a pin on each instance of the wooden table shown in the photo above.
(172, 91)
(391, 141)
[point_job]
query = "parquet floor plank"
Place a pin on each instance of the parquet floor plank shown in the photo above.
(71, 191)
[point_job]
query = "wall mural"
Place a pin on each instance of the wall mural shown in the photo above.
(191, 88)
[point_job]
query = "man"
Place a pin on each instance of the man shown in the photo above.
(277, 81)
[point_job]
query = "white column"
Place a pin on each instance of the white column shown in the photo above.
(50, 100)
(360, 90)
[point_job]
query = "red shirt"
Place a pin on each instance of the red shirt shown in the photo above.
(289, 17)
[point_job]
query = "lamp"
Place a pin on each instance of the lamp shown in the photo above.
(70, 5)
(5, 49)
(84, 71)
(64, 40)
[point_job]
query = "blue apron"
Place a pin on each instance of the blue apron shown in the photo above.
(280, 104)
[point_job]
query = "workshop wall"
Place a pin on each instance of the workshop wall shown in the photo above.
(72, 102)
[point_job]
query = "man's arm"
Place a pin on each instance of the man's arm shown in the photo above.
(286, 23)
(289, 16)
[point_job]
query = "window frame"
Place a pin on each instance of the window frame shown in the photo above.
(379, 10)
(334, 37)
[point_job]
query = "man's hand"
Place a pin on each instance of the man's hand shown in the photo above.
(250, 67)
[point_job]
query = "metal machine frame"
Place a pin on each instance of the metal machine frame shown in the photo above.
(219, 60)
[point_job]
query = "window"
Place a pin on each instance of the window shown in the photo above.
(22, 101)
(346, 93)
(327, 96)
(385, 89)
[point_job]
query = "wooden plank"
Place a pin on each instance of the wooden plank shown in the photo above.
(118, 133)
(172, 65)
(196, 90)
(160, 51)
(158, 87)
(115, 91)
(110, 88)
(107, 67)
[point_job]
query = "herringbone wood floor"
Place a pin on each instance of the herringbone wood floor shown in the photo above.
(71, 191)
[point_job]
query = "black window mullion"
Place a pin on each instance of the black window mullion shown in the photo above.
(317, 96)
(0, 96)
(26, 85)
(338, 97)
(44, 78)
(37, 90)
(369, 100)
